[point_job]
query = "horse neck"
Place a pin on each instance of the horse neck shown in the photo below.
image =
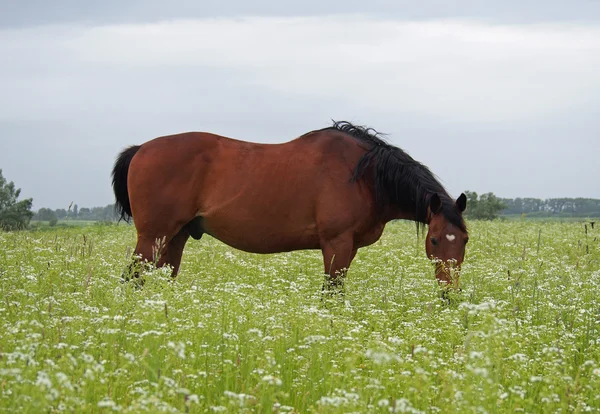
(394, 213)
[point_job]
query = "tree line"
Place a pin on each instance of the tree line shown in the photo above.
(488, 207)
(106, 213)
(558, 207)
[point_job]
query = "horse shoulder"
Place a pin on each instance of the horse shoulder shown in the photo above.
(369, 235)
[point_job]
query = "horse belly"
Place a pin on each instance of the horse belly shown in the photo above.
(266, 234)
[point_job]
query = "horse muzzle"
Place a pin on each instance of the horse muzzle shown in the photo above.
(447, 272)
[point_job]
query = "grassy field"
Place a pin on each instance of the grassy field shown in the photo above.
(237, 332)
(36, 224)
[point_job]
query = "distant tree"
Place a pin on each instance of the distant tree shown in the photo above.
(484, 207)
(84, 214)
(97, 213)
(75, 211)
(45, 214)
(111, 213)
(61, 213)
(14, 214)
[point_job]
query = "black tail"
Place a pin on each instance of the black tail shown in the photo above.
(119, 182)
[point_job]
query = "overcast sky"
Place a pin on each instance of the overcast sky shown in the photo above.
(492, 96)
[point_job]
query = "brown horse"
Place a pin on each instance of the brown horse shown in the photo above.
(332, 189)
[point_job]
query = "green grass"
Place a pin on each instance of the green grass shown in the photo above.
(237, 332)
(62, 223)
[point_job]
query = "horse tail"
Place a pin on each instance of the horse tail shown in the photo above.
(119, 182)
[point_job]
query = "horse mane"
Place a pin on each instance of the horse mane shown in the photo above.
(399, 180)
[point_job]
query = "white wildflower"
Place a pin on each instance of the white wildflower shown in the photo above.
(383, 403)
(241, 399)
(381, 357)
(178, 347)
(43, 380)
(402, 405)
(272, 380)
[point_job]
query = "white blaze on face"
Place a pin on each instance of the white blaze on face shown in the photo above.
(450, 237)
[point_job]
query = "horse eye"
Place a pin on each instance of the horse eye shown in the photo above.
(434, 241)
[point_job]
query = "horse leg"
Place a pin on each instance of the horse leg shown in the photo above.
(162, 251)
(337, 256)
(175, 249)
(151, 248)
(163, 246)
(143, 253)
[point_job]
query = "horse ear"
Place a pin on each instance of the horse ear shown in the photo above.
(461, 202)
(435, 203)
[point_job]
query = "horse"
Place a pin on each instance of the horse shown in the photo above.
(332, 189)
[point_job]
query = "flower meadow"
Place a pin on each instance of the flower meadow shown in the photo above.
(239, 332)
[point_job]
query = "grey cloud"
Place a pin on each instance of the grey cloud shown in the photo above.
(16, 13)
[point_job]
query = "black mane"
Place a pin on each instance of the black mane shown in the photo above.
(399, 179)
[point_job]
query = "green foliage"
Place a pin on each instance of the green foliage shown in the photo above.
(552, 207)
(484, 207)
(14, 214)
(84, 213)
(61, 213)
(45, 214)
(106, 213)
(239, 332)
